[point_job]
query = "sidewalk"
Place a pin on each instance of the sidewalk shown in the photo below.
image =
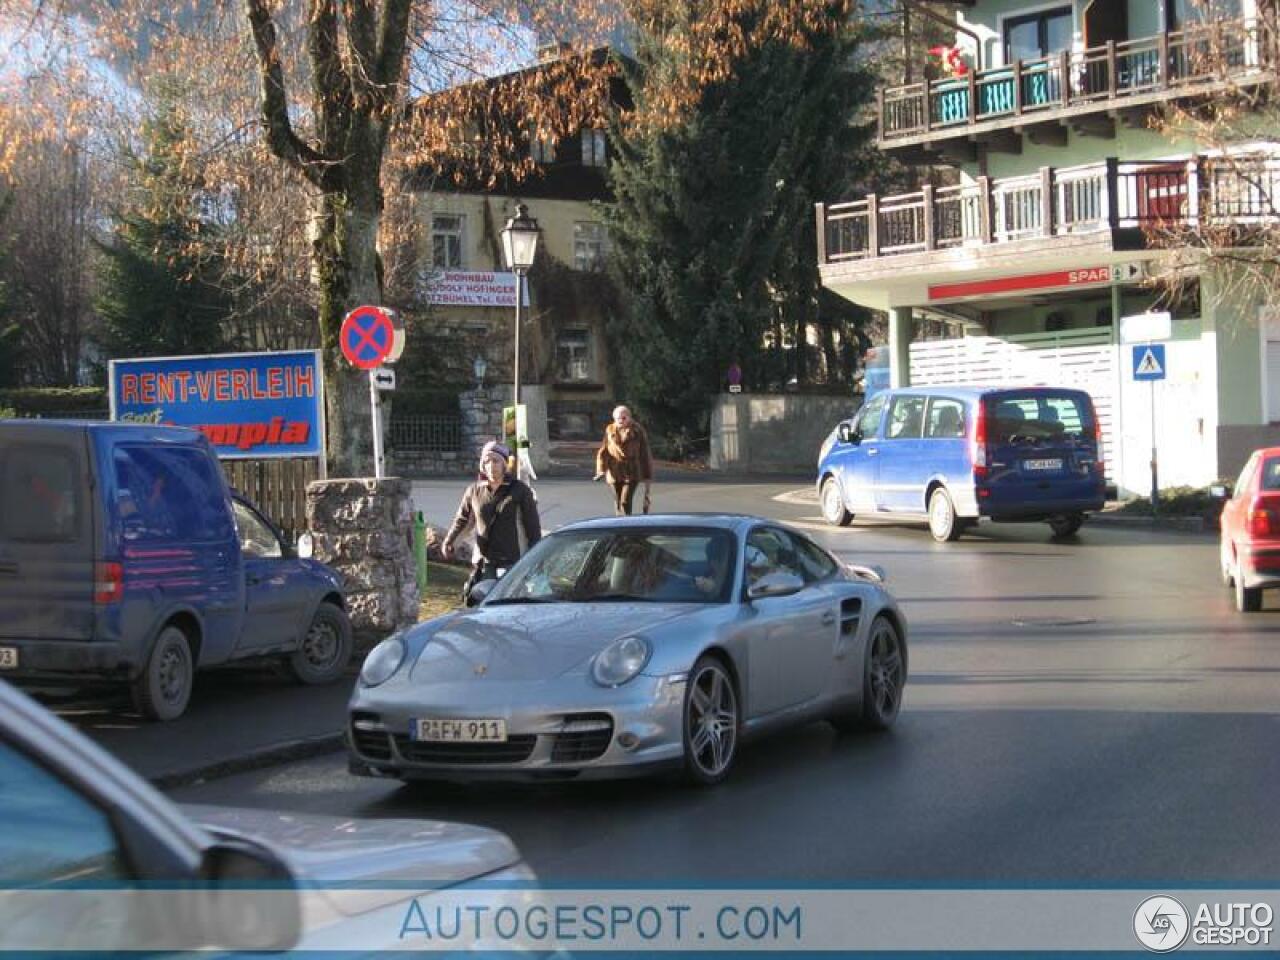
(238, 719)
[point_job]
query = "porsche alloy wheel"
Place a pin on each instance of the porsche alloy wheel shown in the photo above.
(710, 722)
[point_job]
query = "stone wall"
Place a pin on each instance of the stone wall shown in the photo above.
(363, 528)
(481, 411)
(773, 433)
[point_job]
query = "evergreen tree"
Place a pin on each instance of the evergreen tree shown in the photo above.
(160, 288)
(712, 226)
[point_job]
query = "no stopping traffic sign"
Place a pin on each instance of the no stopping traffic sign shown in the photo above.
(366, 337)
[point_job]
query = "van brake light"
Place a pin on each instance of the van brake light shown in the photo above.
(108, 582)
(978, 445)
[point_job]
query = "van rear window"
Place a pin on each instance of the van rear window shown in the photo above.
(1039, 417)
(40, 498)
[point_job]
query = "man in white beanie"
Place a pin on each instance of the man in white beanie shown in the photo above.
(500, 507)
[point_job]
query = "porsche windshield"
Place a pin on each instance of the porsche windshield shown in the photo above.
(656, 564)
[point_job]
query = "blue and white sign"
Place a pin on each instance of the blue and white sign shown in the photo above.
(251, 406)
(1148, 361)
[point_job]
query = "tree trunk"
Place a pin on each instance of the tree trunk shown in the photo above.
(344, 253)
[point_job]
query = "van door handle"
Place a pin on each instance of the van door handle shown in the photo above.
(872, 451)
(828, 618)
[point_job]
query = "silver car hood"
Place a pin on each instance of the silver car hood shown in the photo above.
(531, 641)
(359, 863)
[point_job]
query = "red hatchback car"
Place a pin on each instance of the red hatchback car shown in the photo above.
(1250, 556)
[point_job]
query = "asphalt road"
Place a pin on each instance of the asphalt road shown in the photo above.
(1083, 712)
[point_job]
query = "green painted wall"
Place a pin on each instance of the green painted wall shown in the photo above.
(1128, 145)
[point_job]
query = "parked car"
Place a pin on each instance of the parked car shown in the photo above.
(75, 819)
(957, 455)
(1249, 555)
(621, 646)
(124, 557)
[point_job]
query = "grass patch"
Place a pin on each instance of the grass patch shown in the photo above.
(443, 592)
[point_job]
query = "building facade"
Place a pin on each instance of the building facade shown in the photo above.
(1048, 229)
(564, 354)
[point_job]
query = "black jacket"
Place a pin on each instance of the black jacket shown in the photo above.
(496, 514)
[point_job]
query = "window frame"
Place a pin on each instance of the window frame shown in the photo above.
(542, 148)
(1040, 16)
(77, 492)
(883, 400)
(586, 358)
(590, 235)
(928, 418)
(255, 515)
(458, 234)
(594, 146)
(904, 398)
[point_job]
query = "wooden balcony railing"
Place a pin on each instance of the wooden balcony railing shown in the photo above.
(1196, 56)
(1111, 195)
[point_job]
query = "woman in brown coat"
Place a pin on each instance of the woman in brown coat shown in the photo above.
(624, 460)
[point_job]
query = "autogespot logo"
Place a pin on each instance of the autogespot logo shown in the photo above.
(1161, 924)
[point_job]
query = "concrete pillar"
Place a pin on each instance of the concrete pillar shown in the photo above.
(362, 528)
(900, 347)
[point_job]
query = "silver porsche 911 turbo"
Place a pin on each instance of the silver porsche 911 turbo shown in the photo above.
(620, 646)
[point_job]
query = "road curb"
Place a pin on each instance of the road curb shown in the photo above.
(1172, 524)
(269, 756)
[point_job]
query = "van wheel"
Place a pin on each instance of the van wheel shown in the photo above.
(163, 689)
(1066, 524)
(833, 508)
(325, 650)
(943, 523)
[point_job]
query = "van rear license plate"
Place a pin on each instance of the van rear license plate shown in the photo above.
(447, 730)
(1054, 464)
(8, 658)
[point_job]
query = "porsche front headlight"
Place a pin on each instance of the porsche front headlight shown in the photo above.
(620, 661)
(382, 662)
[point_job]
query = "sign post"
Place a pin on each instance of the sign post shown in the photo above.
(370, 337)
(1149, 365)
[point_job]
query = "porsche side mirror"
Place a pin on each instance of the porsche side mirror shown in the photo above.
(481, 590)
(776, 584)
(870, 571)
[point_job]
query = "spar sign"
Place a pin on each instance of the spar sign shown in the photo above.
(249, 405)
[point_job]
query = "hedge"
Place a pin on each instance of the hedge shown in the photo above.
(50, 401)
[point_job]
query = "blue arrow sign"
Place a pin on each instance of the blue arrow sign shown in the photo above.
(1148, 361)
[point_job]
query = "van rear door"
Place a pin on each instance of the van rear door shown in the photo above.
(48, 520)
(1043, 447)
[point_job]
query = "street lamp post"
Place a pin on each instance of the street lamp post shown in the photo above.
(519, 246)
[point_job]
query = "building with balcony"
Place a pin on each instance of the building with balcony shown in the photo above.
(1059, 202)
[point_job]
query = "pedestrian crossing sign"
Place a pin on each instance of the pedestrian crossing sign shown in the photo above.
(1148, 361)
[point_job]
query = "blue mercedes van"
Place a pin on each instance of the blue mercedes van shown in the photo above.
(125, 557)
(957, 455)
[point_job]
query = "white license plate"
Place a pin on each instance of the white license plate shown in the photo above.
(446, 730)
(1055, 464)
(8, 658)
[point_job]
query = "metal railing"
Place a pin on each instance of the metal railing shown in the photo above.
(1195, 56)
(1110, 195)
(434, 433)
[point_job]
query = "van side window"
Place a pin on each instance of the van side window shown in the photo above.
(39, 495)
(166, 493)
(946, 419)
(869, 419)
(906, 418)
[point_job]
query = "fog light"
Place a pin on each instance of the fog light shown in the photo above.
(628, 740)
